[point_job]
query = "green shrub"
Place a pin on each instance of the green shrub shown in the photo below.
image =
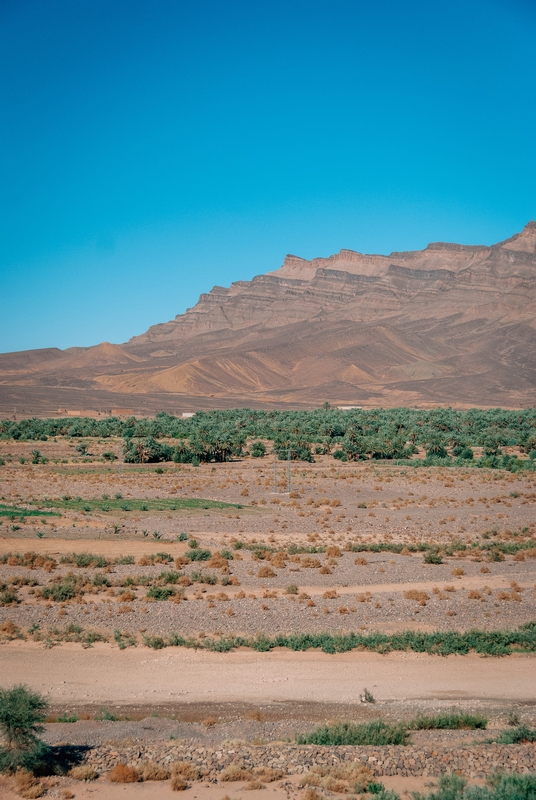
(258, 449)
(516, 735)
(8, 597)
(60, 592)
(377, 733)
(203, 577)
(452, 721)
(160, 593)
(21, 714)
(433, 557)
(169, 577)
(500, 787)
(198, 554)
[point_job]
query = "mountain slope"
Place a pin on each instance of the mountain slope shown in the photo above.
(448, 324)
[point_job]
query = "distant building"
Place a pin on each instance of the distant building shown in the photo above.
(187, 414)
(123, 412)
(348, 408)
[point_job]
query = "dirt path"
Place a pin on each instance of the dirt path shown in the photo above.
(157, 790)
(101, 547)
(103, 674)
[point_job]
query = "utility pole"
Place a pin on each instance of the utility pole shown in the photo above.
(288, 471)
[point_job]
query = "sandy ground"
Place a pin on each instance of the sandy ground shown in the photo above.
(69, 675)
(283, 790)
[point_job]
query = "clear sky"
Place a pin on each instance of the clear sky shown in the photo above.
(150, 149)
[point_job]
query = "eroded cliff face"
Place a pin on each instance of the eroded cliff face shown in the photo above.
(442, 279)
(448, 324)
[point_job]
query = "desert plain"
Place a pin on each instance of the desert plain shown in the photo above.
(145, 602)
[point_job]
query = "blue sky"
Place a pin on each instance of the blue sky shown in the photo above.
(150, 149)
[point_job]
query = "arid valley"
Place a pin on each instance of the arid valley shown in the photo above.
(169, 612)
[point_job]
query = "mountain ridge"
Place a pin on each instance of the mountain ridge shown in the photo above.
(448, 324)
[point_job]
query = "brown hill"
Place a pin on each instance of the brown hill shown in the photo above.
(449, 324)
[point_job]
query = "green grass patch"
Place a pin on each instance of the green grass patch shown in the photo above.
(15, 512)
(135, 504)
(377, 733)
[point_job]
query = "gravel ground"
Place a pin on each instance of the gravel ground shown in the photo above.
(369, 597)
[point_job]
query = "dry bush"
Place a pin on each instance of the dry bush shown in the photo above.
(67, 794)
(279, 560)
(126, 597)
(236, 772)
(255, 784)
(458, 572)
(83, 773)
(485, 570)
(449, 588)
(186, 770)
(333, 551)
(255, 715)
(266, 572)
(26, 785)
(8, 627)
(361, 562)
(209, 722)
(178, 783)
(324, 571)
(474, 594)
(122, 773)
(217, 561)
(513, 595)
(338, 778)
(310, 794)
(180, 561)
(268, 774)
(310, 563)
(153, 772)
(418, 596)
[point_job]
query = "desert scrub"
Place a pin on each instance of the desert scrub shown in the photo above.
(348, 776)
(198, 554)
(377, 733)
(31, 560)
(452, 721)
(499, 787)
(83, 772)
(84, 560)
(442, 643)
(155, 558)
(71, 633)
(160, 593)
(516, 735)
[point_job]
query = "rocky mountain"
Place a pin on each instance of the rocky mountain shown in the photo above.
(449, 324)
